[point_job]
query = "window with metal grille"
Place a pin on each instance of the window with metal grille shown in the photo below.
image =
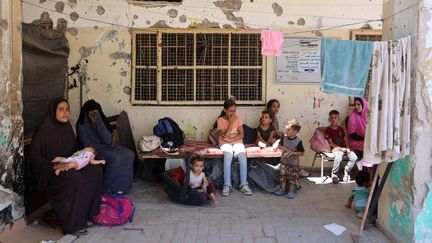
(366, 35)
(205, 67)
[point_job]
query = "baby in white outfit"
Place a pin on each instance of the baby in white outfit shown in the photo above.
(81, 158)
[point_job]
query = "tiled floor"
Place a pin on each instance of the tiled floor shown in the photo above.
(238, 218)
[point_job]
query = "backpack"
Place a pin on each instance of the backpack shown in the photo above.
(115, 210)
(250, 134)
(318, 143)
(170, 132)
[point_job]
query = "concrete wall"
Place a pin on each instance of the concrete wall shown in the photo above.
(423, 128)
(11, 125)
(109, 74)
(405, 207)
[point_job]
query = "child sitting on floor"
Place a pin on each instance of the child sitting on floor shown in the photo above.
(292, 148)
(81, 158)
(338, 141)
(198, 180)
(265, 130)
(360, 193)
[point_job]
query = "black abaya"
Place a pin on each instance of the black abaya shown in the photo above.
(74, 195)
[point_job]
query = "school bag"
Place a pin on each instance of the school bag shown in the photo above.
(170, 132)
(115, 209)
(318, 143)
(176, 183)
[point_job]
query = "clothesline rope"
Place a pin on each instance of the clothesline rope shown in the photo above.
(264, 26)
(192, 18)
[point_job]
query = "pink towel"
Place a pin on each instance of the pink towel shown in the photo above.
(271, 42)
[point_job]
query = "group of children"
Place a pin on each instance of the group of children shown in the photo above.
(268, 134)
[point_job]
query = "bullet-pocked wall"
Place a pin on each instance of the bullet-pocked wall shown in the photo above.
(99, 35)
(406, 202)
(11, 124)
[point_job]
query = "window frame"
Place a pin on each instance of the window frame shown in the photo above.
(159, 67)
(355, 32)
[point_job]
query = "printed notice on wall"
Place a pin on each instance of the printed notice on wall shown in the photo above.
(299, 61)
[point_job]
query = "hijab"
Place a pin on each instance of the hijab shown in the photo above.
(52, 138)
(90, 106)
(357, 120)
(357, 123)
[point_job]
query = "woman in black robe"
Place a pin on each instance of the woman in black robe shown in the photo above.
(74, 194)
(94, 130)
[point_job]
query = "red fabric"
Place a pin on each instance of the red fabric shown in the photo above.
(178, 175)
(337, 136)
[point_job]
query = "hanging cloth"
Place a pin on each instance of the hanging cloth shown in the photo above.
(271, 42)
(388, 130)
(345, 66)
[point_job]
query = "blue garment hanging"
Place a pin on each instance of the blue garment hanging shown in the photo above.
(345, 66)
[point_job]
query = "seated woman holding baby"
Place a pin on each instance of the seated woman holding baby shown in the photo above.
(74, 193)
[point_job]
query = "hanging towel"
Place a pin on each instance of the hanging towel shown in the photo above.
(388, 130)
(345, 66)
(271, 42)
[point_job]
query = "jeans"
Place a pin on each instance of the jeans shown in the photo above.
(338, 158)
(228, 151)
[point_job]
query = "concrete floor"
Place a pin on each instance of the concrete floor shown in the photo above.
(238, 218)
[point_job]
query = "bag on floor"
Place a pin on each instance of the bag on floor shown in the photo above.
(115, 210)
(176, 182)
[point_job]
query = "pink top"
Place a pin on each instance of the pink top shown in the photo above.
(357, 124)
(271, 42)
(222, 125)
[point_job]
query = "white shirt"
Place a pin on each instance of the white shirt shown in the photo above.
(196, 181)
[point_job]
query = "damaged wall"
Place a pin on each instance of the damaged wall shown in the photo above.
(103, 53)
(423, 127)
(11, 125)
(405, 208)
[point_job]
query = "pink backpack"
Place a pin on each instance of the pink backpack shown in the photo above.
(115, 210)
(318, 143)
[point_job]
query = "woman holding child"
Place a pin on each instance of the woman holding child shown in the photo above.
(74, 194)
(230, 128)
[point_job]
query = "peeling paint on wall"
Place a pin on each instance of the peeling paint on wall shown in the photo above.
(3, 24)
(205, 24)
(183, 19)
(11, 123)
(401, 195)
(228, 7)
(172, 13)
(100, 10)
(120, 55)
(423, 223)
(127, 90)
(278, 10)
(73, 31)
(59, 6)
(74, 16)
(123, 73)
(301, 21)
(159, 24)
